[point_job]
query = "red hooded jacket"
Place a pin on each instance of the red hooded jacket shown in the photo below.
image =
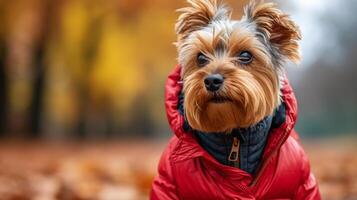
(187, 171)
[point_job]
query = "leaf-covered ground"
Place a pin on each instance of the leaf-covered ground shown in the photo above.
(124, 170)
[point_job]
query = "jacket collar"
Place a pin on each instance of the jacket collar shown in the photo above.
(252, 141)
(277, 136)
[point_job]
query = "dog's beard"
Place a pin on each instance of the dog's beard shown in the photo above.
(245, 98)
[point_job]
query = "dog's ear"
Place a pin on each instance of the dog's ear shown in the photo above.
(198, 15)
(281, 32)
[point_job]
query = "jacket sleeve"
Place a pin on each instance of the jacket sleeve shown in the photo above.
(163, 187)
(308, 189)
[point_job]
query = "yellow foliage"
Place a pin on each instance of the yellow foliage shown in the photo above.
(74, 26)
(116, 73)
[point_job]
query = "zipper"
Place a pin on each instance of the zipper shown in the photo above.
(234, 154)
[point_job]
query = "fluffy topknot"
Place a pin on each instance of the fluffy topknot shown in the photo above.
(199, 15)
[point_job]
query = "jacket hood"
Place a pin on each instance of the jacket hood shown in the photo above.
(278, 135)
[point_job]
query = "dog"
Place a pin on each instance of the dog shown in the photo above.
(232, 109)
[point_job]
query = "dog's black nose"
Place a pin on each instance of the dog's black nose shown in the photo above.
(213, 82)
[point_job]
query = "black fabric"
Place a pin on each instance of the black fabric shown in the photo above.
(252, 143)
(279, 116)
(252, 140)
(186, 127)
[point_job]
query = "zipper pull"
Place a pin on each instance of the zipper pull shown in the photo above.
(234, 154)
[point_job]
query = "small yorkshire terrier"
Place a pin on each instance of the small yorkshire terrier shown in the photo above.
(232, 69)
(232, 109)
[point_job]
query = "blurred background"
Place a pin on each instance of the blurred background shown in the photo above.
(82, 84)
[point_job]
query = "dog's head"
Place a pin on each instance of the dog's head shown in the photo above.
(231, 68)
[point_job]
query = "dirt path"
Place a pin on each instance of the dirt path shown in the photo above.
(124, 170)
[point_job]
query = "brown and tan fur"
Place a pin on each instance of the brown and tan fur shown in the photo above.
(251, 91)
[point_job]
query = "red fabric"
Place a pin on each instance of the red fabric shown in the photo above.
(186, 171)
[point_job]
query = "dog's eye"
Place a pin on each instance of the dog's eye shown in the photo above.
(202, 60)
(245, 57)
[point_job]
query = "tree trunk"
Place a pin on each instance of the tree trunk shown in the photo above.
(37, 94)
(3, 88)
